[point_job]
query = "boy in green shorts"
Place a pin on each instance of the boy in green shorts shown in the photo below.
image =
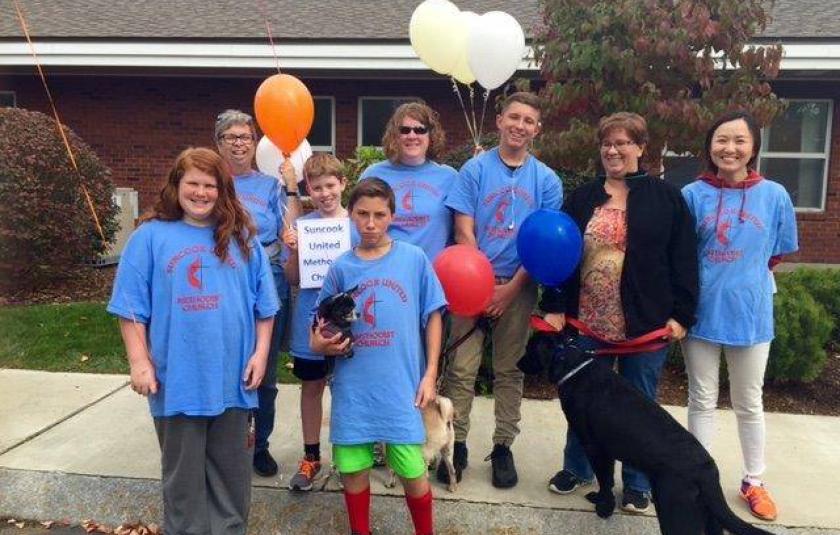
(378, 394)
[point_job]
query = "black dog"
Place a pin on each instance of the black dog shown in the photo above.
(338, 312)
(614, 421)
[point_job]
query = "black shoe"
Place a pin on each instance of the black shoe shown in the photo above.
(565, 482)
(459, 462)
(504, 471)
(635, 501)
(264, 464)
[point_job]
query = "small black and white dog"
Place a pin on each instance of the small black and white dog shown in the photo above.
(614, 421)
(338, 312)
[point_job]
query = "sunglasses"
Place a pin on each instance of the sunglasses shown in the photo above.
(419, 130)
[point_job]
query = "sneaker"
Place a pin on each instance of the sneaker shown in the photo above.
(264, 464)
(565, 482)
(635, 501)
(759, 500)
(504, 471)
(459, 462)
(307, 473)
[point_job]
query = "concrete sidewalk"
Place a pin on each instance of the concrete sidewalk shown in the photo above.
(81, 446)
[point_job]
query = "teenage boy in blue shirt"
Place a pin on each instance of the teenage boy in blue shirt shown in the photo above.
(496, 190)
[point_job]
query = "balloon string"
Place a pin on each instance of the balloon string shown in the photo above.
(464, 109)
(270, 37)
(483, 112)
(472, 111)
(58, 122)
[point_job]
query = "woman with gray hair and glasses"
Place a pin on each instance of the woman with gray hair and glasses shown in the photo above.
(271, 207)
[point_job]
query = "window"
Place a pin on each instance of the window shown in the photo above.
(322, 135)
(794, 151)
(7, 99)
(374, 113)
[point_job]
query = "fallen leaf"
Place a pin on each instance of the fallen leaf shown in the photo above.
(20, 525)
(11, 521)
(48, 523)
(84, 358)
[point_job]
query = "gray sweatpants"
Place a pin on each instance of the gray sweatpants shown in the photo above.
(206, 473)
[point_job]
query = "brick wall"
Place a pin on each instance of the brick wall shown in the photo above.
(139, 124)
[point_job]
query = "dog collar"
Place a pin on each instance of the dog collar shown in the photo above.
(569, 375)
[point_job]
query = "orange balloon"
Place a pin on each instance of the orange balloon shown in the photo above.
(284, 110)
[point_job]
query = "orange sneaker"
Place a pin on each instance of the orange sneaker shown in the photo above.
(759, 500)
(307, 472)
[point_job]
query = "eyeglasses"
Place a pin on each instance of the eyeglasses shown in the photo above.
(419, 130)
(231, 139)
(619, 145)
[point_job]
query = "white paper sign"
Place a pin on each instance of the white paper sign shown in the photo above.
(320, 242)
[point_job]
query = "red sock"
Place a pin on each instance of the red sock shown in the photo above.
(421, 513)
(358, 511)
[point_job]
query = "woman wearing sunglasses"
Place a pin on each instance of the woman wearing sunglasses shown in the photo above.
(413, 139)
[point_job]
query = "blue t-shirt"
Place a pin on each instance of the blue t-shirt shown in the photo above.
(736, 287)
(373, 392)
(499, 200)
(421, 218)
(262, 197)
(200, 314)
(304, 308)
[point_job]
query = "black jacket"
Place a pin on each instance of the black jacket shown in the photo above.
(659, 277)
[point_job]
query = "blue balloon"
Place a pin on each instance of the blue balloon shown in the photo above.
(550, 246)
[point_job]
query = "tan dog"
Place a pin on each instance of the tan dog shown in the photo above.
(438, 418)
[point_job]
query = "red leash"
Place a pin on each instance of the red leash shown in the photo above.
(651, 341)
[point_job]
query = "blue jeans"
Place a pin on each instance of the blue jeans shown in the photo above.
(643, 371)
(267, 391)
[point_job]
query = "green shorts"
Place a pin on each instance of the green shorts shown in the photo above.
(406, 460)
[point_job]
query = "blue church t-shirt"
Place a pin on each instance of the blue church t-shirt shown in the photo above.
(304, 308)
(499, 200)
(200, 314)
(736, 287)
(421, 218)
(262, 197)
(373, 393)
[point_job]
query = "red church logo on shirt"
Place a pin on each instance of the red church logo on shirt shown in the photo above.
(369, 310)
(194, 273)
(407, 201)
(501, 208)
(722, 232)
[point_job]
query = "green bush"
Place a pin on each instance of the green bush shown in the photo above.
(824, 287)
(46, 226)
(803, 329)
(364, 157)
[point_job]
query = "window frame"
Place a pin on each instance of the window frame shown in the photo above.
(359, 116)
(825, 155)
(325, 148)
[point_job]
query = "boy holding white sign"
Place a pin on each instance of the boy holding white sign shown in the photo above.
(325, 183)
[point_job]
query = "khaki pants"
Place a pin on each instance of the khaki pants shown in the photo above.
(510, 335)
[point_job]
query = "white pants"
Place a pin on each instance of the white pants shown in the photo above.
(746, 366)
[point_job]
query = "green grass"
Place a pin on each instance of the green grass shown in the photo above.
(71, 337)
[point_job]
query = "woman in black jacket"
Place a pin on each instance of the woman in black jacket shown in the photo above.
(637, 277)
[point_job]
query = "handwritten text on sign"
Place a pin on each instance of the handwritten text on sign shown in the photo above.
(320, 242)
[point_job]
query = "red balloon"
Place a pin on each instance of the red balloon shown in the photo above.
(467, 279)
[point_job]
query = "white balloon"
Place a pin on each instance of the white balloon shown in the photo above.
(269, 158)
(430, 29)
(467, 20)
(496, 47)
